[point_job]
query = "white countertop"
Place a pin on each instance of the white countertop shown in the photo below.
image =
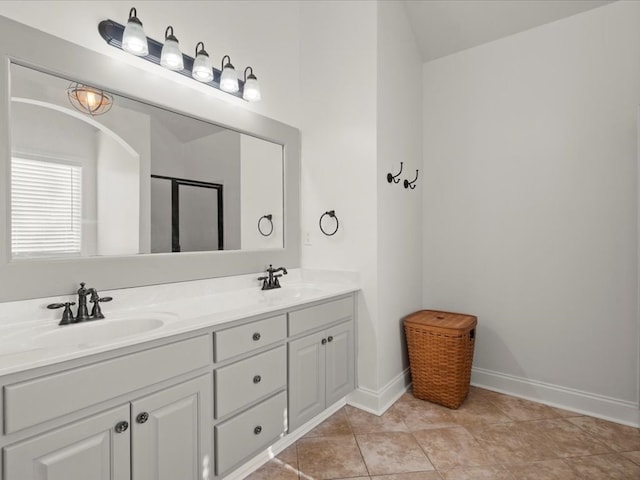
(30, 336)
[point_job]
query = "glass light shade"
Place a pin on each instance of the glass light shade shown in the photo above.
(89, 100)
(251, 91)
(134, 39)
(229, 79)
(171, 56)
(201, 70)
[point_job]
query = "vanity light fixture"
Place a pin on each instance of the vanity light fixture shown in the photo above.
(171, 56)
(228, 77)
(89, 100)
(134, 39)
(251, 92)
(202, 70)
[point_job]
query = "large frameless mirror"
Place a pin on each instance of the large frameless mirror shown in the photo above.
(95, 173)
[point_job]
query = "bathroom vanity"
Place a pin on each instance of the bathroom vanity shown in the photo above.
(194, 398)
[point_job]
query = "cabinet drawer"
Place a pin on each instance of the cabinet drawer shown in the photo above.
(241, 383)
(250, 432)
(244, 338)
(41, 399)
(320, 315)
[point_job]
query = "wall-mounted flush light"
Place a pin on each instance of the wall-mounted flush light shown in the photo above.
(228, 78)
(171, 56)
(89, 100)
(251, 91)
(134, 39)
(202, 70)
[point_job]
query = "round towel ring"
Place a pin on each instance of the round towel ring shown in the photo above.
(332, 214)
(269, 218)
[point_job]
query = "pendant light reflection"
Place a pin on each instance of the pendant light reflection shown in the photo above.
(89, 100)
(251, 92)
(228, 78)
(171, 56)
(202, 70)
(134, 39)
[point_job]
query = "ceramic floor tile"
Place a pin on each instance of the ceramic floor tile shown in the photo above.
(335, 456)
(393, 452)
(422, 415)
(513, 443)
(410, 476)
(478, 409)
(491, 472)
(282, 467)
(633, 456)
(364, 422)
(605, 467)
(448, 448)
(567, 439)
(620, 438)
(547, 470)
(519, 410)
(336, 424)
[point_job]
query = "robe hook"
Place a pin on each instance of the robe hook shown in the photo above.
(410, 184)
(392, 178)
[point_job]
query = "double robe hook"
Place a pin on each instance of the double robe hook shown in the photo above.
(410, 184)
(392, 178)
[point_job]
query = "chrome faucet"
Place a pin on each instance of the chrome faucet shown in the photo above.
(271, 281)
(83, 312)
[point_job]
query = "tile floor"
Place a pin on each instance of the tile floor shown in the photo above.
(490, 437)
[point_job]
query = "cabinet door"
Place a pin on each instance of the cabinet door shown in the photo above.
(306, 379)
(340, 362)
(87, 449)
(172, 434)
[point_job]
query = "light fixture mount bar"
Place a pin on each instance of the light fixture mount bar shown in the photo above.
(112, 33)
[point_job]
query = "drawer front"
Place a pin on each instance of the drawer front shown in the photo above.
(244, 338)
(41, 399)
(320, 315)
(241, 383)
(249, 432)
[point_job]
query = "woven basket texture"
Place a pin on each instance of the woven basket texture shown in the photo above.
(440, 355)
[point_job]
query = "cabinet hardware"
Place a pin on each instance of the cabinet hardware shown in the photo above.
(256, 337)
(122, 427)
(324, 341)
(257, 379)
(330, 339)
(142, 417)
(257, 430)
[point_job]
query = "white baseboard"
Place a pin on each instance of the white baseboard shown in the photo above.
(263, 457)
(377, 402)
(600, 406)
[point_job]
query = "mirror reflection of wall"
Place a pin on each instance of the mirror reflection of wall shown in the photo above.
(121, 210)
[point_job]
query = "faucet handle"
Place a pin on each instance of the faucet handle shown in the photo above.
(67, 315)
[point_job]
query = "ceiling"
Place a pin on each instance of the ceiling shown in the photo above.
(443, 27)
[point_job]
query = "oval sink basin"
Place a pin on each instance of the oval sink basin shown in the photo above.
(98, 331)
(291, 292)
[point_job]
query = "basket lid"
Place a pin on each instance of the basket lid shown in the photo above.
(446, 321)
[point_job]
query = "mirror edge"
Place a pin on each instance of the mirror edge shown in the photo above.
(26, 279)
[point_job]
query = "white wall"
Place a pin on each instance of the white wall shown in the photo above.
(261, 193)
(399, 210)
(530, 206)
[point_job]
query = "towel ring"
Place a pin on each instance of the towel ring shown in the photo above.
(332, 214)
(269, 217)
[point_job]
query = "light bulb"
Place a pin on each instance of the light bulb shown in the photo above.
(251, 92)
(228, 78)
(201, 70)
(171, 56)
(134, 39)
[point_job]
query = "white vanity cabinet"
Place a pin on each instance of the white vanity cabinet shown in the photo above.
(321, 363)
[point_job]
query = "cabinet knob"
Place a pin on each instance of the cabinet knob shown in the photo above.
(330, 339)
(257, 430)
(122, 427)
(257, 379)
(142, 417)
(256, 337)
(324, 341)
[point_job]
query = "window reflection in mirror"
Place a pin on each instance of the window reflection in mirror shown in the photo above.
(133, 178)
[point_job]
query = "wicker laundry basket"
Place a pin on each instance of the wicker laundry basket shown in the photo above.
(440, 353)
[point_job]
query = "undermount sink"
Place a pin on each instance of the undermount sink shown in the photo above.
(97, 331)
(291, 292)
